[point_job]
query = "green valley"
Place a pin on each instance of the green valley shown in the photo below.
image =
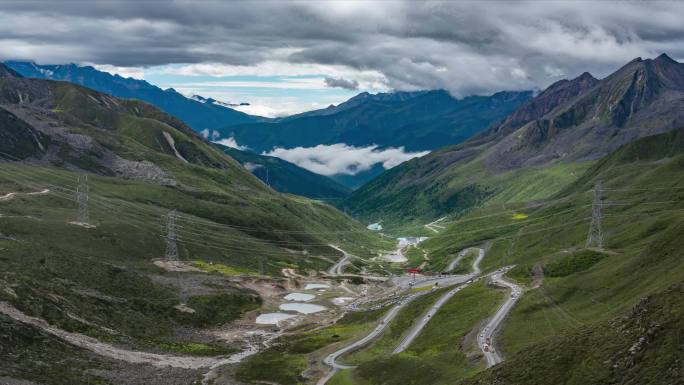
(472, 207)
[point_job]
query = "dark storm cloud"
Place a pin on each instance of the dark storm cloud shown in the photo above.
(341, 83)
(467, 48)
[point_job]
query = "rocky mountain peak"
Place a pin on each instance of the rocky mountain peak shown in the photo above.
(585, 77)
(664, 58)
(552, 97)
(637, 85)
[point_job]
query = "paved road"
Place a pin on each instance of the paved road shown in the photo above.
(418, 327)
(426, 318)
(459, 257)
(442, 280)
(486, 337)
(337, 268)
(331, 359)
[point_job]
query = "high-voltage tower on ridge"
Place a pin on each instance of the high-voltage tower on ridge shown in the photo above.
(595, 235)
(171, 247)
(82, 199)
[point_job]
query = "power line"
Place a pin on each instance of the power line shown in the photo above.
(157, 211)
(143, 207)
(131, 219)
(206, 222)
(139, 207)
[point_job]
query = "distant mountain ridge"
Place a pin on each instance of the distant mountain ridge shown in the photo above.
(357, 100)
(420, 120)
(199, 115)
(417, 121)
(571, 121)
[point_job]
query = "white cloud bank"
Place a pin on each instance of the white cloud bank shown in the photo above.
(341, 158)
(230, 142)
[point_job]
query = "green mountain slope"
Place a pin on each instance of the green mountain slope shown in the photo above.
(77, 129)
(109, 280)
(287, 177)
(587, 315)
(535, 152)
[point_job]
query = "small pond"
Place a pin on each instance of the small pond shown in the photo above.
(311, 286)
(304, 308)
(273, 318)
(299, 297)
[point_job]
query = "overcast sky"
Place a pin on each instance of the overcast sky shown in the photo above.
(290, 56)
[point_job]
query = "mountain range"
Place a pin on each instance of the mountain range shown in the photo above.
(417, 121)
(545, 143)
(200, 113)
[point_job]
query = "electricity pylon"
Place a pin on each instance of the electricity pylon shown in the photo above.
(82, 199)
(171, 247)
(595, 235)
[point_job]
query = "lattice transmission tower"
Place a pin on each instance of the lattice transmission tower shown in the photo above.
(171, 247)
(595, 235)
(82, 199)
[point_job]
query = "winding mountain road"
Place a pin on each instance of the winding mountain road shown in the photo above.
(486, 337)
(418, 327)
(331, 359)
(337, 268)
(452, 265)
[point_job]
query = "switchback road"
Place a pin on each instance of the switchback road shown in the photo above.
(418, 327)
(337, 268)
(460, 256)
(331, 359)
(486, 337)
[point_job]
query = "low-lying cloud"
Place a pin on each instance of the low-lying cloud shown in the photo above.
(231, 142)
(341, 158)
(251, 167)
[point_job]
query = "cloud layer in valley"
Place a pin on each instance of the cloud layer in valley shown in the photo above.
(343, 159)
(230, 142)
